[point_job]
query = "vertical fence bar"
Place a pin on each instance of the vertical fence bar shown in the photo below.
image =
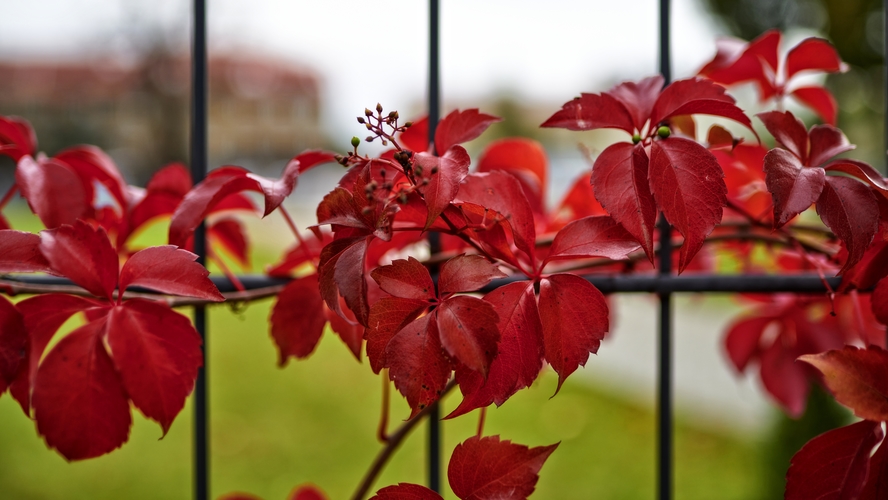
(198, 145)
(664, 392)
(434, 104)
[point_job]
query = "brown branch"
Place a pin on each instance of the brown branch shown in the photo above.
(394, 441)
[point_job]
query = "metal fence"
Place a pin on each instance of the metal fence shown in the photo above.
(664, 284)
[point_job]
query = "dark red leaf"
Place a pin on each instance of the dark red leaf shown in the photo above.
(520, 355)
(406, 491)
(638, 98)
(526, 160)
(229, 234)
(170, 270)
(17, 138)
(20, 253)
(793, 186)
(157, 353)
(826, 142)
(876, 487)
(408, 279)
(501, 191)
(860, 171)
(789, 132)
(834, 464)
(813, 54)
(850, 210)
(204, 197)
(43, 316)
(858, 378)
(348, 329)
(461, 126)
(84, 255)
(880, 301)
(620, 180)
(742, 340)
(467, 327)
(689, 186)
(482, 468)
(820, 100)
(388, 316)
(597, 236)
(307, 492)
(444, 175)
(53, 191)
(13, 339)
(238, 495)
(79, 401)
(592, 111)
(341, 272)
(298, 319)
(574, 315)
(696, 96)
(417, 364)
(785, 379)
(466, 273)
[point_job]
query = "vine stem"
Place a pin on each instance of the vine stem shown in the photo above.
(299, 238)
(394, 441)
(382, 430)
(8, 195)
(225, 270)
(482, 416)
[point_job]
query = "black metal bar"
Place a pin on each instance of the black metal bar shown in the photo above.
(664, 377)
(199, 114)
(797, 283)
(434, 442)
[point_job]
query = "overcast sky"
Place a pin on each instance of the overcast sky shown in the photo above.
(375, 51)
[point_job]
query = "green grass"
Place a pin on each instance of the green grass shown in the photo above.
(315, 421)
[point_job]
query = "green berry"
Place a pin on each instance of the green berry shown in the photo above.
(636, 138)
(355, 142)
(663, 132)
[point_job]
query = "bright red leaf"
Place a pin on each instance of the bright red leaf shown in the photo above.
(168, 269)
(407, 279)
(461, 126)
(857, 377)
(298, 319)
(341, 273)
(406, 491)
(388, 316)
(443, 175)
(20, 253)
(482, 468)
(417, 364)
(307, 492)
(13, 339)
(468, 332)
(53, 191)
(466, 273)
(526, 160)
(17, 138)
(574, 315)
(834, 464)
(84, 255)
(596, 236)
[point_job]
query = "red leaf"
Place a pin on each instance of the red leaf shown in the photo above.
(416, 137)
(13, 339)
(690, 189)
(876, 486)
(203, 197)
(742, 340)
(307, 492)
(482, 468)
(696, 96)
(850, 210)
(597, 236)
(820, 100)
(592, 111)
(620, 180)
(170, 270)
(417, 364)
(638, 98)
(52, 190)
(20, 253)
(157, 353)
(860, 171)
(174, 179)
(79, 401)
(526, 160)
(94, 165)
(408, 279)
(813, 54)
(784, 379)
(238, 495)
(231, 235)
(276, 190)
(574, 315)
(406, 491)
(298, 319)
(737, 62)
(579, 202)
(858, 378)
(17, 138)
(793, 186)
(43, 316)
(461, 126)
(466, 273)
(84, 255)
(388, 316)
(341, 272)
(500, 191)
(348, 329)
(834, 464)
(880, 301)
(789, 132)
(826, 142)
(520, 356)
(444, 175)
(468, 330)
